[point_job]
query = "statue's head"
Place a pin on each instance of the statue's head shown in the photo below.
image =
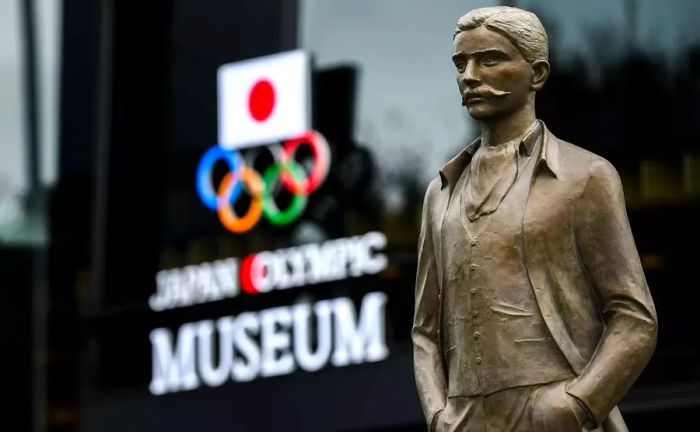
(501, 54)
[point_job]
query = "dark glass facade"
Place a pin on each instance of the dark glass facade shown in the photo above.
(139, 109)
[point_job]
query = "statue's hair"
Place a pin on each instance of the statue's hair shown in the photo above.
(521, 27)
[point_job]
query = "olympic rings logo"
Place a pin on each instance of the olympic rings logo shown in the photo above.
(243, 178)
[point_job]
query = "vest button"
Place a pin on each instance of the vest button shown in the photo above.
(477, 335)
(475, 242)
(475, 314)
(473, 266)
(473, 290)
(478, 360)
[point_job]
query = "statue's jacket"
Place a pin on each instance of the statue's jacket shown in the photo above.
(584, 269)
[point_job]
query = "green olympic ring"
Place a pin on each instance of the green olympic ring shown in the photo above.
(296, 207)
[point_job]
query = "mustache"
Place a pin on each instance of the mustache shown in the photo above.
(483, 91)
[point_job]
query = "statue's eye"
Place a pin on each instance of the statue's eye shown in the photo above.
(460, 66)
(491, 60)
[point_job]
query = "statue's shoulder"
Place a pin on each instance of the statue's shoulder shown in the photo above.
(579, 163)
(432, 191)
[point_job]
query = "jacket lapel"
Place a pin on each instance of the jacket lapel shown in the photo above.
(549, 155)
(536, 224)
(449, 174)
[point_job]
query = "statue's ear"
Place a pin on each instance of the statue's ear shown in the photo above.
(540, 73)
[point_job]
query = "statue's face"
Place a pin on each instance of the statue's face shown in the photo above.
(493, 76)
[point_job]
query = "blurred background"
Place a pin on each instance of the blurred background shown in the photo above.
(107, 108)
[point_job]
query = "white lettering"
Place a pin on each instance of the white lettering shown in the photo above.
(282, 269)
(262, 272)
(373, 264)
(276, 340)
(296, 261)
(214, 376)
(317, 263)
(307, 359)
(226, 274)
(271, 342)
(247, 370)
(195, 284)
(364, 341)
(173, 371)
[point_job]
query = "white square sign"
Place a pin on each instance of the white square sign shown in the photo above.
(264, 100)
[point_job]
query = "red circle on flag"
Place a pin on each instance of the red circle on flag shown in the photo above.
(261, 100)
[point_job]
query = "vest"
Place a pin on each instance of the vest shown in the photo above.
(494, 335)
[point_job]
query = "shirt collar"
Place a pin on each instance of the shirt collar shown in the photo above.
(450, 172)
(527, 143)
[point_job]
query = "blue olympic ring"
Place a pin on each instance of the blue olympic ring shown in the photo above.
(205, 186)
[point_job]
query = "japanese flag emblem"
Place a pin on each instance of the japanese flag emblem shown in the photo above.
(263, 100)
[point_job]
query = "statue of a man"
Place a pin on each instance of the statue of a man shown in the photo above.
(532, 309)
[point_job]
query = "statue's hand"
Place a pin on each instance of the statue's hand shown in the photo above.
(555, 410)
(580, 410)
(435, 426)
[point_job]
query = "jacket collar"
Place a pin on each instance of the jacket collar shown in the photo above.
(548, 157)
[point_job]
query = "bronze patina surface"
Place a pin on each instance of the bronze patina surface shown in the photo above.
(532, 309)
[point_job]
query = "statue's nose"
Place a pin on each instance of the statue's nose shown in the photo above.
(470, 76)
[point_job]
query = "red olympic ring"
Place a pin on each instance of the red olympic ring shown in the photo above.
(318, 173)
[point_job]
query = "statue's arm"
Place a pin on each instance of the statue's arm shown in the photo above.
(428, 368)
(611, 260)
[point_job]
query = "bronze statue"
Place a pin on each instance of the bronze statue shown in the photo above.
(532, 309)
